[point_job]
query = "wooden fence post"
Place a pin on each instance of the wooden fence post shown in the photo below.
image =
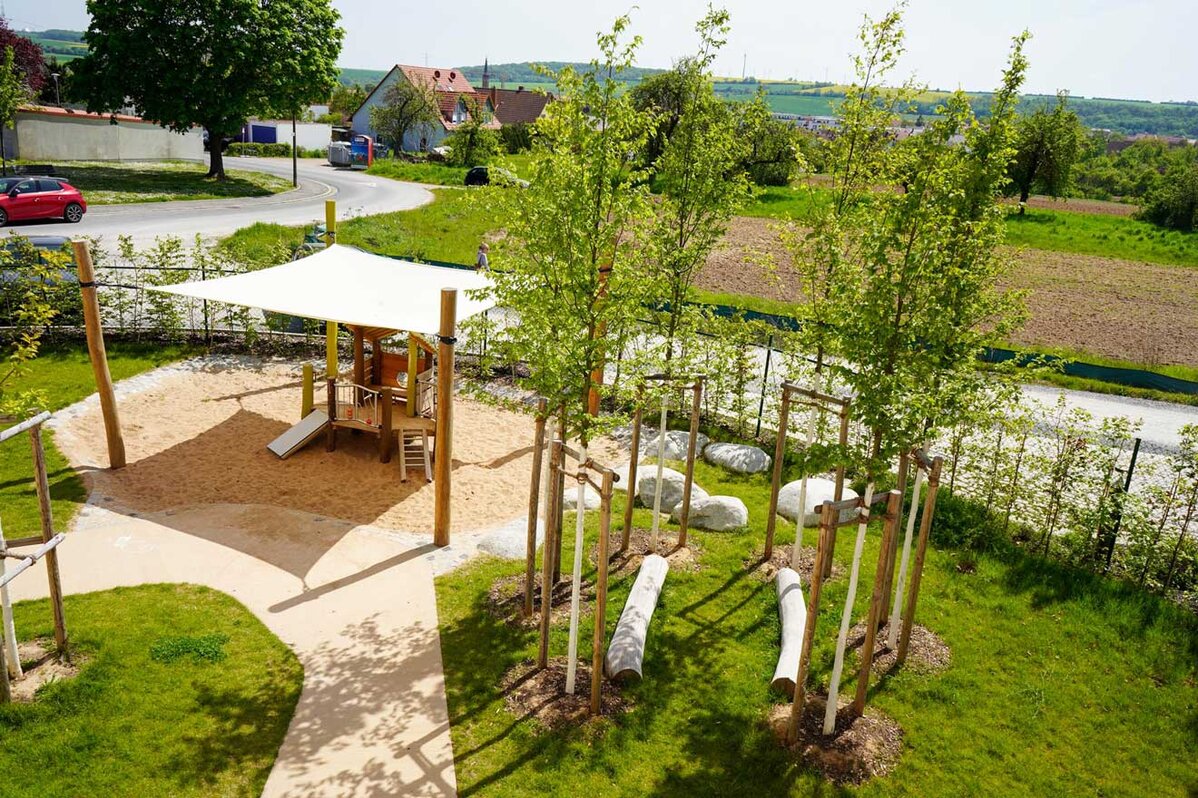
(98, 356)
(771, 518)
(894, 504)
(43, 500)
(530, 554)
(925, 526)
(827, 528)
(685, 511)
(600, 637)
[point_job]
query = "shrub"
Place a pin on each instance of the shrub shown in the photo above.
(1173, 201)
(259, 150)
(516, 138)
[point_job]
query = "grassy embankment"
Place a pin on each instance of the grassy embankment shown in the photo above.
(1060, 683)
(182, 692)
(63, 376)
(119, 184)
(439, 174)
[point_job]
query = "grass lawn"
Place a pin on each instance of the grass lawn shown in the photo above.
(121, 183)
(63, 374)
(1060, 683)
(440, 174)
(140, 721)
(447, 229)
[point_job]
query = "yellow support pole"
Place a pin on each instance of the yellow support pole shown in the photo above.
(413, 370)
(309, 397)
(330, 327)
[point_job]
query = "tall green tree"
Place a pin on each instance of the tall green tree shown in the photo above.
(13, 94)
(183, 63)
(1173, 199)
(663, 96)
(346, 99)
(1048, 144)
(405, 106)
(472, 143)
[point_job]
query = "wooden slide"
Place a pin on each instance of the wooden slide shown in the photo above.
(627, 650)
(793, 611)
(300, 435)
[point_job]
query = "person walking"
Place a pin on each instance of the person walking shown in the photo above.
(481, 262)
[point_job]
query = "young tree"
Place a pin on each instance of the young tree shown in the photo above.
(1048, 144)
(13, 94)
(31, 271)
(189, 63)
(406, 105)
(471, 143)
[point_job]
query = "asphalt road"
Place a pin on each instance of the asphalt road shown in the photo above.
(356, 194)
(1161, 422)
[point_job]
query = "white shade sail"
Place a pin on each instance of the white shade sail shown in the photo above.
(347, 285)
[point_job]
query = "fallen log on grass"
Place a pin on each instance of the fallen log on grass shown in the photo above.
(793, 612)
(627, 650)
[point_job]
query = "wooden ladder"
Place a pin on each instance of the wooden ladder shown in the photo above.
(414, 443)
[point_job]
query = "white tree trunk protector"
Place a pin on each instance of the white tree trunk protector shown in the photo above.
(12, 658)
(846, 617)
(896, 610)
(800, 521)
(661, 462)
(793, 613)
(576, 586)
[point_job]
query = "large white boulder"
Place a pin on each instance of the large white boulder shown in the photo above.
(677, 442)
(819, 490)
(737, 457)
(590, 497)
(672, 483)
(622, 473)
(717, 513)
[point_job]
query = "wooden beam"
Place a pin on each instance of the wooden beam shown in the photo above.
(826, 530)
(547, 556)
(771, 518)
(845, 408)
(331, 436)
(892, 553)
(443, 467)
(600, 636)
(24, 426)
(925, 528)
(413, 371)
(894, 504)
(685, 511)
(386, 433)
(308, 401)
(42, 484)
(98, 356)
(632, 462)
(534, 491)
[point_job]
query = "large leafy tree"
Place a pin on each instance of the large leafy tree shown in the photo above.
(13, 94)
(346, 99)
(1048, 144)
(183, 63)
(406, 105)
(472, 143)
(28, 61)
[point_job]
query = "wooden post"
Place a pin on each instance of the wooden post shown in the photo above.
(894, 505)
(530, 553)
(547, 557)
(925, 527)
(827, 528)
(98, 355)
(330, 327)
(839, 494)
(685, 511)
(771, 518)
(43, 501)
(331, 435)
(359, 361)
(444, 462)
(5, 689)
(413, 371)
(636, 445)
(605, 492)
(386, 432)
(892, 553)
(558, 506)
(309, 399)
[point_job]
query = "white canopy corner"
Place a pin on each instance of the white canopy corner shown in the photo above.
(350, 286)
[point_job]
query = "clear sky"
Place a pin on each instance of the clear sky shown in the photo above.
(1139, 49)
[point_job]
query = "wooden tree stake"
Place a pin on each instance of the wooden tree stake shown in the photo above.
(685, 511)
(443, 465)
(636, 446)
(925, 527)
(600, 637)
(547, 552)
(98, 355)
(894, 503)
(534, 491)
(827, 527)
(776, 483)
(43, 501)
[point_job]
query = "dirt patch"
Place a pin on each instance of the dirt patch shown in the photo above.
(540, 694)
(41, 666)
(766, 570)
(750, 260)
(858, 749)
(926, 653)
(505, 599)
(640, 544)
(1078, 205)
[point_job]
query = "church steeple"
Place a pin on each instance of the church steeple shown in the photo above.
(486, 74)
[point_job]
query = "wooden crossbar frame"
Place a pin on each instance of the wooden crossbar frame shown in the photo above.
(48, 548)
(693, 383)
(585, 471)
(841, 406)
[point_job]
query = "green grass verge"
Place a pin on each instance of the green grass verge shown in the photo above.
(63, 375)
(437, 174)
(121, 183)
(1061, 683)
(138, 720)
(447, 229)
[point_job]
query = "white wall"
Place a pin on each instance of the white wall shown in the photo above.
(309, 135)
(44, 137)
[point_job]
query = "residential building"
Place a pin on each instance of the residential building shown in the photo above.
(454, 95)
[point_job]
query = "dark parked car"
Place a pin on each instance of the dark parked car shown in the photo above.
(486, 175)
(39, 198)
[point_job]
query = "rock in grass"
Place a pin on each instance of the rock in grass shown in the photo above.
(819, 490)
(590, 497)
(677, 442)
(715, 513)
(672, 483)
(737, 457)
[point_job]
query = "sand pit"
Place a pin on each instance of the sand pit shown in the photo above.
(197, 435)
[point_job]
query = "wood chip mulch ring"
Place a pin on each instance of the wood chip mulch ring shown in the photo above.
(766, 570)
(640, 544)
(505, 599)
(927, 652)
(540, 694)
(858, 749)
(41, 667)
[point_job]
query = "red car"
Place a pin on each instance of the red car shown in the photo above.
(39, 198)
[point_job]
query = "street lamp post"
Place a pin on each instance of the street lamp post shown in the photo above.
(57, 93)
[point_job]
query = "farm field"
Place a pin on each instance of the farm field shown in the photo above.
(1069, 669)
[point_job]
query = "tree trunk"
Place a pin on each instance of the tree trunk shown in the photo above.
(216, 161)
(1024, 193)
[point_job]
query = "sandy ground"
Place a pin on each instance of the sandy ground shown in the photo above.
(1129, 310)
(199, 437)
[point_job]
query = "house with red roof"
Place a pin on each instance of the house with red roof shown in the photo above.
(456, 99)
